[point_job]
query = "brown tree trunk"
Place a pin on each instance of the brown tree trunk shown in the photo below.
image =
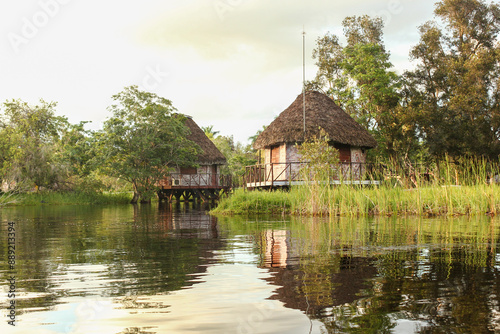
(135, 199)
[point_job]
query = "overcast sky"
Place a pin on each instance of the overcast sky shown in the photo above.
(233, 64)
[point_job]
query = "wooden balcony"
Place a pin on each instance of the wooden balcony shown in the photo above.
(186, 181)
(205, 186)
(279, 175)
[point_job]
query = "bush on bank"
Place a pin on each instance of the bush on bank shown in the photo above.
(64, 198)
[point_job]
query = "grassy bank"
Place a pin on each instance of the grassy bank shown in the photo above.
(64, 198)
(353, 201)
(463, 187)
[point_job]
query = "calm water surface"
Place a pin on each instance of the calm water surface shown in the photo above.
(150, 269)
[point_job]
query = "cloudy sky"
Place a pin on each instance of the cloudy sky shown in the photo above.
(233, 64)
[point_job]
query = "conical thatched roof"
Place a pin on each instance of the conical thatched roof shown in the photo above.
(210, 154)
(322, 112)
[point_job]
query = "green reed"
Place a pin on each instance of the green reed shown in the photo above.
(461, 187)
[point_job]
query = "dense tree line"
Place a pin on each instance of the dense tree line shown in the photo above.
(447, 105)
(142, 139)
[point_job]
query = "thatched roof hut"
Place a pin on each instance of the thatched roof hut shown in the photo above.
(322, 112)
(210, 153)
(204, 180)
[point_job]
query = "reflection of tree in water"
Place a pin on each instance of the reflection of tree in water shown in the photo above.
(114, 251)
(438, 282)
(163, 250)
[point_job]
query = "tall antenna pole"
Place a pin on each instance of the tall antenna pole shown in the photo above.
(304, 79)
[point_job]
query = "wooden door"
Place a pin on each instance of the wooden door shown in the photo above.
(275, 154)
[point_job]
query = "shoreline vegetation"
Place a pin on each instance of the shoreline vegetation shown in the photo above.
(468, 188)
(64, 198)
(357, 202)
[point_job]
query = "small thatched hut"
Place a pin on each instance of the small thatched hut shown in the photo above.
(279, 140)
(204, 181)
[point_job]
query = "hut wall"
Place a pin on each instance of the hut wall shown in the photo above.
(293, 156)
(352, 159)
(292, 153)
(206, 175)
(267, 156)
(284, 161)
(357, 155)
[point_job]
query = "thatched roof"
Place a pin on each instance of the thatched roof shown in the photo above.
(210, 154)
(322, 112)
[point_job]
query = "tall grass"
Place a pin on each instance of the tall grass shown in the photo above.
(448, 188)
(252, 202)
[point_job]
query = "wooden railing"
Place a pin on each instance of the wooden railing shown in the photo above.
(274, 173)
(205, 180)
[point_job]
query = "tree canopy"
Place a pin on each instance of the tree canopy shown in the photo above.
(448, 105)
(142, 139)
(30, 143)
(455, 84)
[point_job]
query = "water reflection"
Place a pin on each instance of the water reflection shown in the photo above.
(148, 269)
(388, 276)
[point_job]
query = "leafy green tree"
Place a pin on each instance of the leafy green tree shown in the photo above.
(77, 149)
(30, 138)
(142, 139)
(320, 159)
(359, 78)
(331, 78)
(456, 81)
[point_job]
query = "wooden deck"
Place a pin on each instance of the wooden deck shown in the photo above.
(284, 175)
(203, 187)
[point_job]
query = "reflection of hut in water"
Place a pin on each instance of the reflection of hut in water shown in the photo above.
(332, 281)
(276, 249)
(192, 224)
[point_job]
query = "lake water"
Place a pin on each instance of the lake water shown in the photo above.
(151, 269)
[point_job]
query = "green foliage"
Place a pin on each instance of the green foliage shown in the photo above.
(447, 106)
(141, 140)
(358, 77)
(254, 202)
(319, 159)
(30, 143)
(71, 198)
(448, 188)
(78, 149)
(320, 166)
(237, 155)
(455, 84)
(209, 131)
